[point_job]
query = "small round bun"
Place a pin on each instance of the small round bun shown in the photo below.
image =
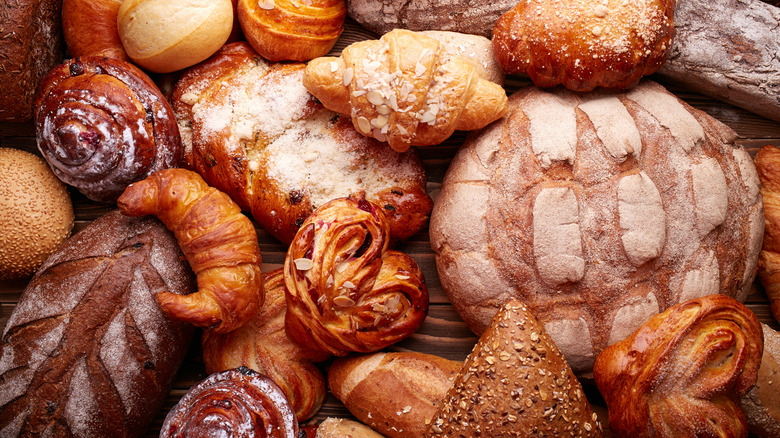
(36, 214)
(168, 35)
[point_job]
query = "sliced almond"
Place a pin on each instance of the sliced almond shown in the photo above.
(343, 301)
(303, 264)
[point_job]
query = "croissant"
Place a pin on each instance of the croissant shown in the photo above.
(346, 291)
(263, 345)
(768, 166)
(291, 30)
(102, 124)
(682, 373)
(235, 403)
(405, 89)
(219, 242)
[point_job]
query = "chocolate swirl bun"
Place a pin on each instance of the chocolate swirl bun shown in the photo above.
(234, 403)
(682, 373)
(102, 124)
(346, 291)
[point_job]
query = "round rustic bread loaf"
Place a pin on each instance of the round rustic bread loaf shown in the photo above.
(598, 210)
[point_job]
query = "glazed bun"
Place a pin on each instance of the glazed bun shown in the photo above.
(168, 35)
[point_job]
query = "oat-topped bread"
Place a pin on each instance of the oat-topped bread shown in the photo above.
(598, 211)
(253, 131)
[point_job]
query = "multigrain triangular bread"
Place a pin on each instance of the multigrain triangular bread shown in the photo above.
(515, 383)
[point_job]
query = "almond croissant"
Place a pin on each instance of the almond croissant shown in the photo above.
(219, 242)
(768, 166)
(405, 89)
(682, 373)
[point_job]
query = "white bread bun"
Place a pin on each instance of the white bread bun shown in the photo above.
(36, 214)
(168, 35)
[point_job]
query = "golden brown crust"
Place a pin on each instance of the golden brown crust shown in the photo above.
(290, 29)
(768, 166)
(252, 130)
(762, 404)
(343, 428)
(219, 242)
(346, 291)
(90, 28)
(515, 383)
(102, 124)
(405, 89)
(582, 44)
(683, 371)
(396, 394)
(263, 345)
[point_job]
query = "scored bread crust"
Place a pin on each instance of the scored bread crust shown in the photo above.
(598, 211)
(251, 129)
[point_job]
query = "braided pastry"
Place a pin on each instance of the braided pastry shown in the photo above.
(102, 124)
(219, 242)
(682, 373)
(263, 345)
(346, 291)
(405, 89)
(237, 403)
(768, 166)
(292, 30)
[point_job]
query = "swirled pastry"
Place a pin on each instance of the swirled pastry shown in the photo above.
(405, 89)
(238, 403)
(102, 124)
(585, 44)
(346, 291)
(253, 131)
(682, 373)
(263, 345)
(219, 242)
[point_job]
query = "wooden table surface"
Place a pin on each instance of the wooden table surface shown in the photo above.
(443, 333)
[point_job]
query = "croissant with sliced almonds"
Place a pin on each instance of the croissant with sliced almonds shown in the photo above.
(682, 373)
(405, 89)
(219, 242)
(346, 291)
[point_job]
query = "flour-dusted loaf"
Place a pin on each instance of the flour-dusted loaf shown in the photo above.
(467, 16)
(597, 210)
(32, 43)
(87, 351)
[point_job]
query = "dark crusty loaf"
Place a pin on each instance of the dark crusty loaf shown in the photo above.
(31, 45)
(87, 351)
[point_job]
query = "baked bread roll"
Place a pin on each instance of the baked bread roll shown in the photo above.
(396, 394)
(682, 373)
(584, 45)
(232, 403)
(102, 124)
(343, 428)
(466, 16)
(598, 211)
(263, 345)
(767, 163)
(32, 45)
(346, 290)
(292, 30)
(90, 28)
(87, 351)
(252, 130)
(405, 89)
(219, 242)
(515, 383)
(761, 404)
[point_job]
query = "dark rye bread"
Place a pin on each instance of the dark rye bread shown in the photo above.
(32, 44)
(87, 351)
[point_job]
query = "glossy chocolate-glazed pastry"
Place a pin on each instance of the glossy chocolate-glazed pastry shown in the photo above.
(219, 242)
(251, 129)
(102, 124)
(346, 291)
(238, 403)
(263, 345)
(682, 373)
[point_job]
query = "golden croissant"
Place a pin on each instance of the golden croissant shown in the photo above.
(405, 89)
(682, 373)
(768, 166)
(219, 242)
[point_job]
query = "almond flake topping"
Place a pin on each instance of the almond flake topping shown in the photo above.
(333, 66)
(348, 285)
(266, 4)
(343, 301)
(303, 264)
(402, 277)
(419, 69)
(364, 125)
(348, 73)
